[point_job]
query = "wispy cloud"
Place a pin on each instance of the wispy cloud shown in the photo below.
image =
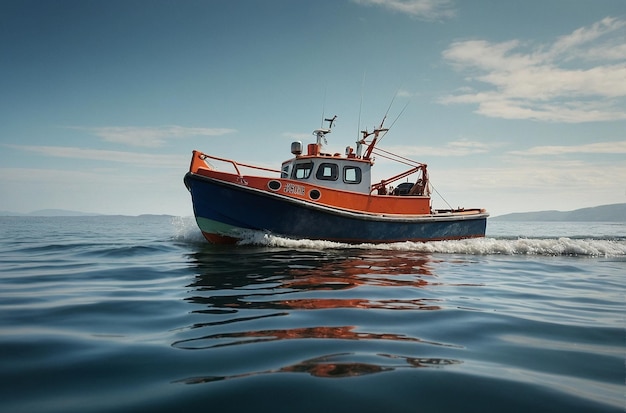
(297, 136)
(456, 148)
(134, 158)
(574, 44)
(420, 9)
(403, 93)
(577, 78)
(597, 148)
(150, 136)
(536, 177)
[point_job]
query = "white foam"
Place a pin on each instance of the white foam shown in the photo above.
(476, 246)
(186, 229)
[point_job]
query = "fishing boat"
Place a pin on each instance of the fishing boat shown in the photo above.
(323, 196)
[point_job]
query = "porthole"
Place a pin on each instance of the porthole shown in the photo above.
(274, 185)
(315, 194)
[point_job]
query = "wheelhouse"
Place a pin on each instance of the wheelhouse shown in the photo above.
(351, 172)
(330, 171)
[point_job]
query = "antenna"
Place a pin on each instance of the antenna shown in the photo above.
(358, 127)
(323, 107)
(397, 117)
(390, 103)
(380, 128)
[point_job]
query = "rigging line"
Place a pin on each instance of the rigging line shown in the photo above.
(386, 113)
(396, 160)
(389, 108)
(440, 196)
(415, 163)
(400, 114)
(395, 120)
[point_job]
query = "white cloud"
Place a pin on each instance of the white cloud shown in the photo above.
(457, 148)
(538, 177)
(580, 77)
(599, 147)
(133, 158)
(615, 48)
(421, 9)
(150, 136)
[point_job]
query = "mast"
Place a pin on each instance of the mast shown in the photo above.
(371, 146)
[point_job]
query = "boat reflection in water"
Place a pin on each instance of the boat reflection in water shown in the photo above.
(249, 299)
(331, 366)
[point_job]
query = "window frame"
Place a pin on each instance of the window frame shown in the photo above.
(302, 166)
(358, 174)
(319, 174)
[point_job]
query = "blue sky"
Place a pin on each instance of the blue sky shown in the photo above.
(515, 106)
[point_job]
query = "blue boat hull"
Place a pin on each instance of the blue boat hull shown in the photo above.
(228, 210)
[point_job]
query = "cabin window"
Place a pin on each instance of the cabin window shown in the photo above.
(302, 170)
(285, 171)
(352, 174)
(327, 172)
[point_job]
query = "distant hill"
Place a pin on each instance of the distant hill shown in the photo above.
(606, 213)
(48, 213)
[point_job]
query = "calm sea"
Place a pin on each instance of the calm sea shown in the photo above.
(140, 314)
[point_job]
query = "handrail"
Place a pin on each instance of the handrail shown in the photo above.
(203, 156)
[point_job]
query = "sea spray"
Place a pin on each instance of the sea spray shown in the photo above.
(478, 246)
(186, 230)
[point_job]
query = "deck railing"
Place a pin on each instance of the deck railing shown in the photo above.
(236, 165)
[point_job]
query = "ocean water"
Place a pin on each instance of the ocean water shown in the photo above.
(140, 314)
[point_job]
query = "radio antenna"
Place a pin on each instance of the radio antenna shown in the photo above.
(358, 130)
(323, 106)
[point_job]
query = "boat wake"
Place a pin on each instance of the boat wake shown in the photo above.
(187, 231)
(478, 246)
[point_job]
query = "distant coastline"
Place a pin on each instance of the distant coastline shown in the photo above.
(63, 213)
(602, 213)
(49, 213)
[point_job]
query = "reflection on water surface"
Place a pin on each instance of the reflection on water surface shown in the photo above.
(333, 366)
(258, 298)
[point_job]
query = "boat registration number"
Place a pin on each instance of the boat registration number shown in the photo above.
(294, 189)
